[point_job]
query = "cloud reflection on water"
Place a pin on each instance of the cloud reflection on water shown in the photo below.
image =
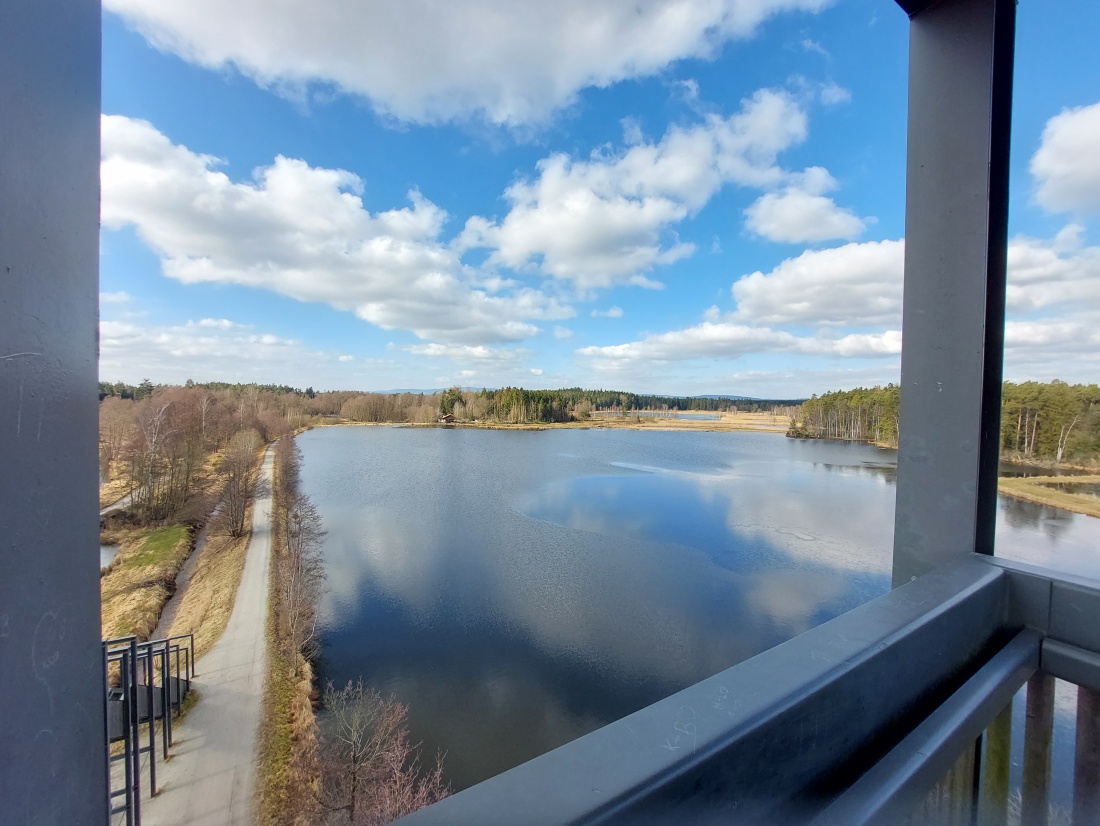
(517, 590)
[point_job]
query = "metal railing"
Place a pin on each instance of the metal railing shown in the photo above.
(146, 682)
(852, 722)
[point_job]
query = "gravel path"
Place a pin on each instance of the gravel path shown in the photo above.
(210, 776)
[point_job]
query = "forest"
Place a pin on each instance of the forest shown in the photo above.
(157, 441)
(1051, 421)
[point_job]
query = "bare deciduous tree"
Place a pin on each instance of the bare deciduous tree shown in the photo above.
(370, 773)
(240, 483)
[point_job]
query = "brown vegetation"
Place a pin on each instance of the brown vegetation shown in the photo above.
(370, 772)
(211, 593)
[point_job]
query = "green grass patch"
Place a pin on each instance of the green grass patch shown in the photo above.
(159, 547)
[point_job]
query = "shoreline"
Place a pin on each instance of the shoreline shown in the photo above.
(727, 422)
(1037, 489)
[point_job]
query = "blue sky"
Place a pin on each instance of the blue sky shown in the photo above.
(659, 196)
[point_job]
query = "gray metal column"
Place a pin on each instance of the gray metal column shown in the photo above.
(52, 761)
(960, 91)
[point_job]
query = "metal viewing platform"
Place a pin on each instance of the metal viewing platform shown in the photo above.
(891, 713)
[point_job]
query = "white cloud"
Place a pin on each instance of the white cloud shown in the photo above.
(811, 45)
(802, 213)
(303, 232)
(219, 323)
(509, 61)
(833, 94)
(1044, 274)
(226, 351)
(562, 333)
(345, 358)
(728, 340)
(120, 297)
(468, 354)
(1066, 167)
(535, 371)
(612, 312)
(851, 297)
(852, 285)
(608, 220)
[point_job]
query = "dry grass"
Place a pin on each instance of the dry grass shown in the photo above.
(110, 492)
(141, 578)
(208, 602)
(1038, 489)
(286, 774)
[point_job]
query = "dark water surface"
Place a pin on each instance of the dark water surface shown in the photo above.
(517, 589)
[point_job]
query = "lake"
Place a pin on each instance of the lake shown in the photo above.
(517, 589)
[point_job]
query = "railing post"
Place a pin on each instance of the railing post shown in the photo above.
(998, 764)
(1086, 767)
(1038, 737)
(956, 213)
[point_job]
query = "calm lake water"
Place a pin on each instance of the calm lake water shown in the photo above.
(517, 589)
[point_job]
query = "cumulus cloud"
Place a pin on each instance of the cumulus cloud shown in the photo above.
(508, 61)
(801, 212)
(860, 284)
(850, 298)
(120, 297)
(1066, 167)
(607, 220)
(562, 333)
(855, 284)
(303, 232)
(1043, 274)
(345, 358)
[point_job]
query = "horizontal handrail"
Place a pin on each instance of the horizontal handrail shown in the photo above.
(857, 713)
(894, 786)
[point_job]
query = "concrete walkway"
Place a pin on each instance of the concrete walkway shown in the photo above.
(210, 775)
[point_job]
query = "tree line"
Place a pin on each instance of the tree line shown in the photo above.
(164, 444)
(517, 405)
(866, 414)
(1051, 421)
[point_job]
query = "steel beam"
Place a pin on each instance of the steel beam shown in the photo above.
(52, 764)
(960, 95)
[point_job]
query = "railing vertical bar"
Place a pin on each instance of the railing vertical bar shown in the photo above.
(133, 803)
(976, 753)
(179, 684)
(166, 701)
(107, 728)
(962, 787)
(1086, 765)
(1038, 736)
(998, 764)
(152, 717)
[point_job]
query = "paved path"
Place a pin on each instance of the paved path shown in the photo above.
(118, 505)
(211, 774)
